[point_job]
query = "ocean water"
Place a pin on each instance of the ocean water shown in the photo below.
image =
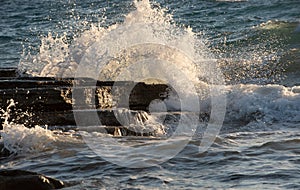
(235, 61)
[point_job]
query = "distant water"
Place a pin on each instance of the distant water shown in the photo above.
(255, 43)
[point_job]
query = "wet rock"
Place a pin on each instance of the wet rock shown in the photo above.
(8, 73)
(51, 101)
(143, 94)
(26, 180)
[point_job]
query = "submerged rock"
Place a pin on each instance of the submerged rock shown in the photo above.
(26, 180)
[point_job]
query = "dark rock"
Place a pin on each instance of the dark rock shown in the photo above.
(142, 94)
(26, 180)
(51, 101)
(8, 72)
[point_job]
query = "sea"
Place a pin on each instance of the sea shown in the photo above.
(235, 68)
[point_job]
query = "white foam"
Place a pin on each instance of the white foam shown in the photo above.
(271, 103)
(20, 139)
(140, 122)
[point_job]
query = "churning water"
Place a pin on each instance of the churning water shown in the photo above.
(239, 54)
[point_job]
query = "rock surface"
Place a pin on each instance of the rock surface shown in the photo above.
(51, 101)
(26, 180)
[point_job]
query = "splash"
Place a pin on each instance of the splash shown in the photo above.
(148, 25)
(251, 59)
(148, 43)
(258, 57)
(19, 139)
(142, 124)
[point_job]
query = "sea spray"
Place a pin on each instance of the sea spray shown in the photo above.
(148, 34)
(259, 58)
(20, 139)
(23, 140)
(148, 44)
(238, 159)
(59, 57)
(254, 63)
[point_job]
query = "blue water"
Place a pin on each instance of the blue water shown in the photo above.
(257, 45)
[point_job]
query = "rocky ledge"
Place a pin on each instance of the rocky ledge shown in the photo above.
(25, 180)
(52, 101)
